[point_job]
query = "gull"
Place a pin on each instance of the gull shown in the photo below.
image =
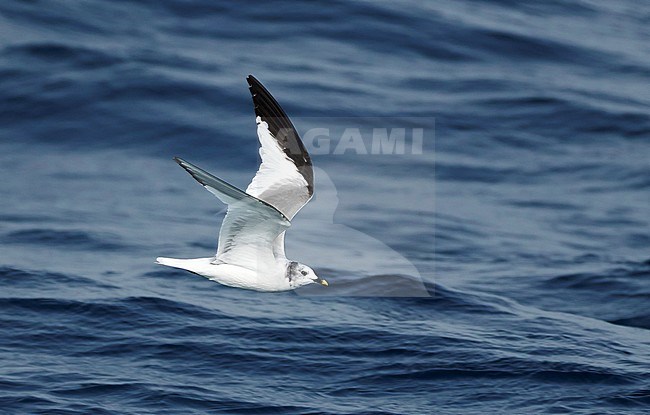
(250, 252)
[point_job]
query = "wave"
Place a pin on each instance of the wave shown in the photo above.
(75, 239)
(621, 294)
(15, 277)
(540, 169)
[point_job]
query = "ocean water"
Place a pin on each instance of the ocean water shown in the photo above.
(502, 269)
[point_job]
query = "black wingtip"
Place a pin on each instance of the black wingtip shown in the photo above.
(185, 165)
(251, 80)
(281, 127)
(191, 169)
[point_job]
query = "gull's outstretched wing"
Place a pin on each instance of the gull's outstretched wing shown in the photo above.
(285, 178)
(250, 227)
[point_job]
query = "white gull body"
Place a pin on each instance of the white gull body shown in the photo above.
(250, 252)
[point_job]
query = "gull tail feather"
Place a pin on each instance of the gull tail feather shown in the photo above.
(171, 262)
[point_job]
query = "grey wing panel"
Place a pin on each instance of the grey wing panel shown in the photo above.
(250, 226)
(226, 192)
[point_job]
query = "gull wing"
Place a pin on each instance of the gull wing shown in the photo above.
(250, 227)
(285, 178)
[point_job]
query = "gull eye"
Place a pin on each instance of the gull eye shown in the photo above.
(303, 272)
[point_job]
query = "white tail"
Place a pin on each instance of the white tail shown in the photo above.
(171, 262)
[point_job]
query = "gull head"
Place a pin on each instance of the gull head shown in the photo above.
(300, 274)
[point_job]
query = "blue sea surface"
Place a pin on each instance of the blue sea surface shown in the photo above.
(504, 269)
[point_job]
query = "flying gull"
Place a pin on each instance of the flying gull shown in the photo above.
(250, 251)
